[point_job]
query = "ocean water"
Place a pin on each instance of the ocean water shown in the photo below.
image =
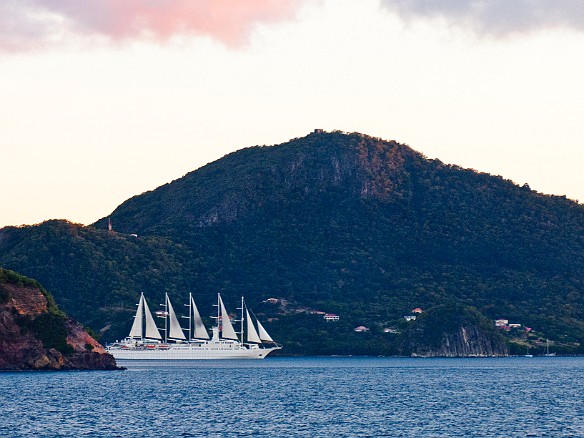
(302, 397)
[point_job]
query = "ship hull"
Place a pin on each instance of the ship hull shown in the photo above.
(191, 353)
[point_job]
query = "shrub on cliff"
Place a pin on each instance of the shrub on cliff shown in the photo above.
(50, 329)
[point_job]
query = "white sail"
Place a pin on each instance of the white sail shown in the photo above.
(252, 334)
(136, 330)
(151, 329)
(264, 336)
(174, 330)
(199, 332)
(227, 330)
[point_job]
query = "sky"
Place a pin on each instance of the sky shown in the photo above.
(102, 100)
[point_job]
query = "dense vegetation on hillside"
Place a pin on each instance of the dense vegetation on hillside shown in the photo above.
(331, 222)
(96, 275)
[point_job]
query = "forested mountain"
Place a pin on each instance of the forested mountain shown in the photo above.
(335, 222)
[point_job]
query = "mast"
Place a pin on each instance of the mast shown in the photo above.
(165, 314)
(216, 328)
(241, 322)
(218, 310)
(190, 306)
(191, 302)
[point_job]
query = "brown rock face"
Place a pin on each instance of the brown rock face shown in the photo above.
(79, 339)
(20, 346)
(27, 300)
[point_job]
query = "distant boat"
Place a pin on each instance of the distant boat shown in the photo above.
(145, 341)
(527, 353)
(547, 349)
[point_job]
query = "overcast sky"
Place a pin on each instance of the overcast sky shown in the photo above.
(101, 100)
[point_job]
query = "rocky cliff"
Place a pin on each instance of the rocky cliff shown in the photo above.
(36, 335)
(453, 331)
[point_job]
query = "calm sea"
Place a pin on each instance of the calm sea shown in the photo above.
(312, 397)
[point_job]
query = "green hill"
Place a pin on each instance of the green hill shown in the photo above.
(332, 222)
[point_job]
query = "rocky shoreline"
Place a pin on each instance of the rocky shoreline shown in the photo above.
(36, 335)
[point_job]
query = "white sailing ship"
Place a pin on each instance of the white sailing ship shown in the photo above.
(146, 342)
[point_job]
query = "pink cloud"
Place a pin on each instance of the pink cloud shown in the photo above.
(26, 24)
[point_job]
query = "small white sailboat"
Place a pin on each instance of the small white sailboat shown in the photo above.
(547, 349)
(145, 341)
